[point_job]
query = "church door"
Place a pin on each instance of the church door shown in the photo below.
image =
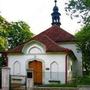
(36, 66)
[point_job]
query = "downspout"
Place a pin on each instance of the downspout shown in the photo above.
(66, 68)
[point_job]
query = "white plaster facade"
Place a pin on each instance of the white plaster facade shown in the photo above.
(53, 64)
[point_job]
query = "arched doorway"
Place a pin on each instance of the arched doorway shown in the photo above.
(36, 66)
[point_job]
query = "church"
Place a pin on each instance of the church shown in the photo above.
(52, 55)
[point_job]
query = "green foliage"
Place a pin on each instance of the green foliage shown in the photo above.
(83, 43)
(82, 80)
(3, 44)
(3, 33)
(19, 32)
(79, 8)
(60, 85)
(13, 34)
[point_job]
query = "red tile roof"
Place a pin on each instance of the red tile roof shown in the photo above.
(49, 38)
(50, 45)
(57, 34)
(18, 49)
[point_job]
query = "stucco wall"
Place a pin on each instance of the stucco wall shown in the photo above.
(77, 66)
(53, 64)
(69, 69)
(46, 59)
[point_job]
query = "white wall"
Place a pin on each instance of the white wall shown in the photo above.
(69, 69)
(77, 66)
(47, 60)
(53, 63)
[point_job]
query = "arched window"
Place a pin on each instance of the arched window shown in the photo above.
(16, 68)
(54, 71)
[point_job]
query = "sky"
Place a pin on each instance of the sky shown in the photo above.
(37, 14)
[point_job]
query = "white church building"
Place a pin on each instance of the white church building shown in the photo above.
(52, 55)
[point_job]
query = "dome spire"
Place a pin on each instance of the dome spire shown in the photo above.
(56, 15)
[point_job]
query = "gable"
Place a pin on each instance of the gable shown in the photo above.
(33, 47)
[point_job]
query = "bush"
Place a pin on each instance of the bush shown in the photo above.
(59, 85)
(85, 80)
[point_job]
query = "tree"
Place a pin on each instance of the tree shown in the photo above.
(79, 8)
(3, 33)
(19, 32)
(13, 34)
(83, 43)
(3, 44)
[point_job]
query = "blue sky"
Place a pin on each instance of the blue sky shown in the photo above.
(37, 13)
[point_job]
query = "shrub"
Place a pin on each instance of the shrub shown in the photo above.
(85, 80)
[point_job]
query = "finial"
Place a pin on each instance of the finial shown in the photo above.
(55, 2)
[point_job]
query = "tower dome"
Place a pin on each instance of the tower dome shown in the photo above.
(55, 8)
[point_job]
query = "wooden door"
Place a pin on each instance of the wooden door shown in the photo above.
(36, 66)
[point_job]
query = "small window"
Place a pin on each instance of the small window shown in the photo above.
(16, 68)
(54, 71)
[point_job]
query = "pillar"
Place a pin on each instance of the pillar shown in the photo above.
(29, 79)
(5, 78)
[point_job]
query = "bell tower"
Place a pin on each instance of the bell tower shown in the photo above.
(55, 15)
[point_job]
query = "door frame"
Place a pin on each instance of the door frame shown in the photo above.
(36, 66)
(43, 67)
